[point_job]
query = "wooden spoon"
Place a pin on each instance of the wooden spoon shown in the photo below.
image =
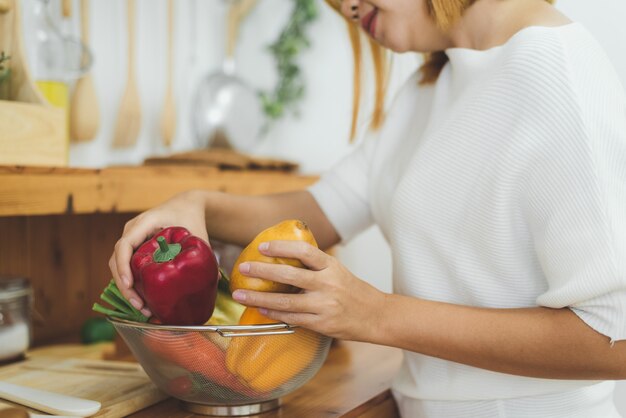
(84, 109)
(67, 8)
(168, 118)
(129, 114)
(236, 15)
(5, 6)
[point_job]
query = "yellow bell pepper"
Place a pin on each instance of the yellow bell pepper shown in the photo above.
(267, 362)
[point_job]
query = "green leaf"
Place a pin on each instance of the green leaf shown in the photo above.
(290, 87)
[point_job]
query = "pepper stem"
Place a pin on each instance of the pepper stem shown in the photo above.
(162, 244)
(165, 252)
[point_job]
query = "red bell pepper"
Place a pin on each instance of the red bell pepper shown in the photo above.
(176, 274)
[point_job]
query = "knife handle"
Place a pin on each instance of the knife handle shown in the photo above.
(52, 403)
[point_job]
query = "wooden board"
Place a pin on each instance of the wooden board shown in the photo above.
(121, 387)
(32, 134)
(227, 159)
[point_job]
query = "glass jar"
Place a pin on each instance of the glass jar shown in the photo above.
(49, 68)
(16, 297)
(58, 59)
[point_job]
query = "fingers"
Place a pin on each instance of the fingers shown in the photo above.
(134, 235)
(310, 256)
(281, 273)
(120, 264)
(306, 320)
(127, 291)
(282, 302)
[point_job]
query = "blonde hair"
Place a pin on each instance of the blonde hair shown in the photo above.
(381, 65)
(444, 12)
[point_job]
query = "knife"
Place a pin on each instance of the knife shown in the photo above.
(52, 403)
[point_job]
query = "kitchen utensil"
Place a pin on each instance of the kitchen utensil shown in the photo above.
(161, 349)
(15, 317)
(129, 113)
(168, 118)
(227, 111)
(50, 402)
(84, 109)
(66, 8)
(58, 56)
(121, 387)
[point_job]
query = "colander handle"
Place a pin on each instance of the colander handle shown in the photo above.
(231, 334)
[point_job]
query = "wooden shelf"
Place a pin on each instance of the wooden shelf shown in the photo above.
(53, 191)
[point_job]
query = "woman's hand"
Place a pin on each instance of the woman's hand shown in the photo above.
(185, 209)
(333, 302)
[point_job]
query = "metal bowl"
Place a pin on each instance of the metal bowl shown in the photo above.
(226, 370)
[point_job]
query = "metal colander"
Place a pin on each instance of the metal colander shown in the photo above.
(226, 370)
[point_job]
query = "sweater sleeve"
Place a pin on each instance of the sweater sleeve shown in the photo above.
(577, 200)
(343, 192)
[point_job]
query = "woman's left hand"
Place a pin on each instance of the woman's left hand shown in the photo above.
(333, 301)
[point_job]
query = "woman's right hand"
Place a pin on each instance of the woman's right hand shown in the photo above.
(186, 209)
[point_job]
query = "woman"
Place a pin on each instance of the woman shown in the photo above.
(498, 179)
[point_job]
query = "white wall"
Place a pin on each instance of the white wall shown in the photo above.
(317, 139)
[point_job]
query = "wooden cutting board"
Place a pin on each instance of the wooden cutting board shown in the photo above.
(121, 387)
(225, 159)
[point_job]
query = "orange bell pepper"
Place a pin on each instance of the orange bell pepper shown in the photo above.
(267, 362)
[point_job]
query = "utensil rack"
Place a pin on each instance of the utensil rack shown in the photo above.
(32, 132)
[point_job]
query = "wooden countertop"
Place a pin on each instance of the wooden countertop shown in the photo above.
(353, 382)
(56, 190)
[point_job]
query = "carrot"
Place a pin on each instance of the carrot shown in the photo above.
(195, 354)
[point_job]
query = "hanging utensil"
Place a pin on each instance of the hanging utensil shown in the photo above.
(84, 109)
(168, 118)
(66, 8)
(129, 113)
(227, 112)
(5, 6)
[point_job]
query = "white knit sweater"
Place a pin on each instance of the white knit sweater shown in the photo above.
(503, 186)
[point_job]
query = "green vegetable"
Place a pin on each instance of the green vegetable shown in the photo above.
(292, 40)
(121, 307)
(227, 311)
(96, 330)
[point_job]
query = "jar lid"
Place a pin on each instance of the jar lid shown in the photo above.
(14, 287)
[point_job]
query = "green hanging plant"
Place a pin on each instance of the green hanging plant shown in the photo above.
(4, 71)
(292, 40)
